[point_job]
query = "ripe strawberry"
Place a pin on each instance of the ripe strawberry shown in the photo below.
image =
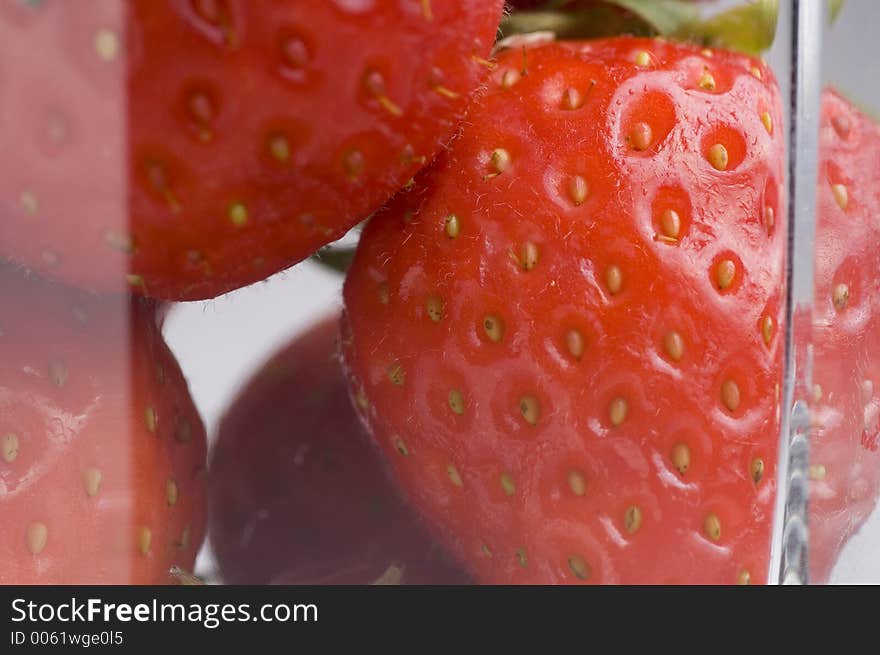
(298, 495)
(845, 448)
(565, 335)
(102, 452)
(195, 146)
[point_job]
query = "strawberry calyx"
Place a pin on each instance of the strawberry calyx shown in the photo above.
(749, 28)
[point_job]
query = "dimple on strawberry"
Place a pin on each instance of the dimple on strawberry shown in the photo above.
(298, 495)
(185, 148)
(565, 337)
(102, 452)
(845, 446)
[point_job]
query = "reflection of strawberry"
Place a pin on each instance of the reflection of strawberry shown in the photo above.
(565, 337)
(102, 453)
(298, 495)
(845, 459)
(253, 132)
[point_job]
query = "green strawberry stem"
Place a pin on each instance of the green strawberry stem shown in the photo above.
(336, 258)
(598, 21)
(749, 28)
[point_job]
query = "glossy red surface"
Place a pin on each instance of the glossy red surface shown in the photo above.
(544, 353)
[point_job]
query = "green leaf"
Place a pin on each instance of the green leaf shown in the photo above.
(749, 28)
(667, 17)
(598, 20)
(834, 7)
(336, 258)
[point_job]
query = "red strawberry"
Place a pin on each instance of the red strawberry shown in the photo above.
(845, 449)
(298, 494)
(565, 335)
(196, 146)
(102, 453)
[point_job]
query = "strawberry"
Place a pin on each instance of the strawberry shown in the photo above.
(298, 495)
(190, 147)
(102, 453)
(845, 446)
(566, 336)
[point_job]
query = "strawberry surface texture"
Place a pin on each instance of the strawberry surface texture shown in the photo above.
(102, 452)
(845, 448)
(565, 336)
(185, 148)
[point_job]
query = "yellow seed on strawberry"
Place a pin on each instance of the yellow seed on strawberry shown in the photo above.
(640, 136)
(617, 411)
(507, 484)
(670, 224)
(614, 279)
(456, 401)
(9, 445)
(579, 567)
(92, 478)
(237, 213)
(756, 469)
(144, 540)
(509, 78)
(528, 256)
(681, 457)
(434, 308)
(106, 44)
(454, 476)
(574, 342)
(172, 492)
(577, 482)
(36, 536)
(673, 344)
(840, 296)
(279, 147)
(400, 446)
(632, 519)
(725, 272)
(577, 190)
(452, 226)
(841, 195)
(571, 99)
(499, 161)
(712, 527)
(493, 326)
(707, 82)
(767, 328)
(530, 408)
(718, 157)
(730, 395)
(642, 59)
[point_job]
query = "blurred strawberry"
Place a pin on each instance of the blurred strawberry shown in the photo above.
(298, 494)
(845, 449)
(102, 453)
(190, 147)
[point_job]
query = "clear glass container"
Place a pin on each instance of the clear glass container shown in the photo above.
(113, 398)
